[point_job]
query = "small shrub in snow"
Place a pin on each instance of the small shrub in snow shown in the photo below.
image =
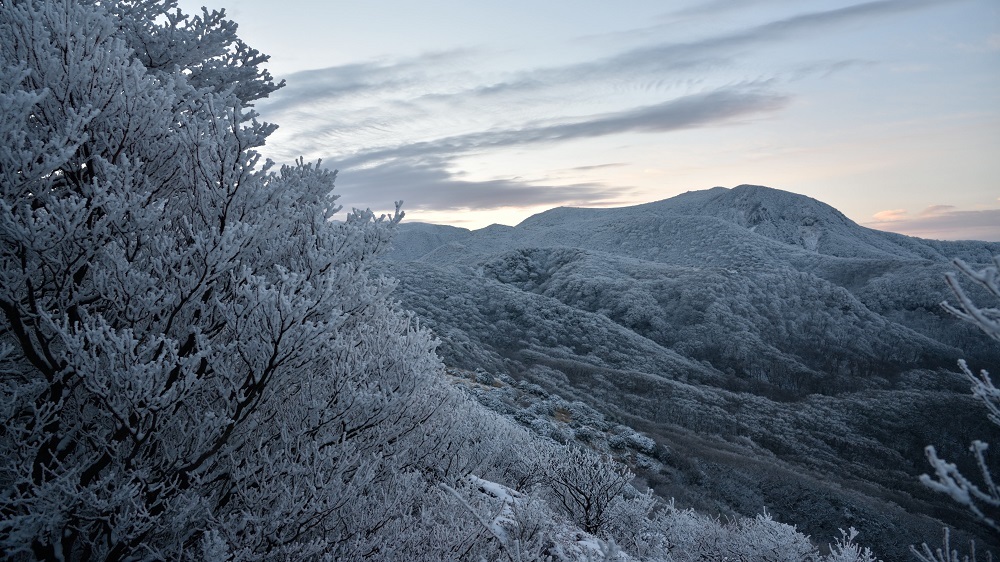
(640, 442)
(618, 442)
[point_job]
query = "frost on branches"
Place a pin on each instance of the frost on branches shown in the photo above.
(193, 357)
(982, 500)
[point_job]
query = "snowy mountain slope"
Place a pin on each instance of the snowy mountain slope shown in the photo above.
(483, 322)
(895, 276)
(745, 319)
(744, 226)
(795, 221)
(790, 219)
(422, 238)
(816, 337)
(820, 463)
(804, 222)
(726, 447)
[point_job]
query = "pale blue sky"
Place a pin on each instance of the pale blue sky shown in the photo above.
(482, 112)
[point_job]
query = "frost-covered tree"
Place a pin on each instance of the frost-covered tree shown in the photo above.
(195, 361)
(586, 485)
(983, 500)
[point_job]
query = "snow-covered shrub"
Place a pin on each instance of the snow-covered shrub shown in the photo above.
(846, 550)
(618, 442)
(484, 377)
(629, 523)
(689, 536)
(640, 442)
(646, 462)
(584, 433)
(585, 485)
(945, 553)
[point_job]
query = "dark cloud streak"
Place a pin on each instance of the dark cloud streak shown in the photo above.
(431, 186)
(688, 112)
(715, 7)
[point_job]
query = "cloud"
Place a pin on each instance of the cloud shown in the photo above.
(596, 167)
(363, 80)
(941, 222)
(663, 59)
(824, 69)
(809, 23)
(428, 183)
(990, 44)
(937, 210)
(716, 7)
(682, 113)
(804, 23)
(688, 112)
(890, 215)
(896, 215)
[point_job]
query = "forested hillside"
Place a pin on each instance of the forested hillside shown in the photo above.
(780, 355)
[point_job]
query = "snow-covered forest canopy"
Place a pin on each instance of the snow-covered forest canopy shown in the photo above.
(197, 363)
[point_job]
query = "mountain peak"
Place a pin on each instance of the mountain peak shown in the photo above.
(780, 215)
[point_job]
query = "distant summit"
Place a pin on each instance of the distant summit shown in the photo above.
(756, 223)
(780, 215)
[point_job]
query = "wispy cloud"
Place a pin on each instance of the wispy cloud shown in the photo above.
(693, 111)
(408, 77)
(727, 44)
(990, 44)
(827, 68)
(943, 222)
(596, 167)
(716, 7)
(387, 90)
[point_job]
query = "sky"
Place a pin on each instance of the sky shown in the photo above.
(485, 112)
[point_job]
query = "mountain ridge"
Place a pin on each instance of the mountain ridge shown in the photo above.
(782, 216)
(748, 317)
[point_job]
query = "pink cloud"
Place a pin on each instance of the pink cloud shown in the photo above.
(941, 222)
(935, 210)
(890, 215)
